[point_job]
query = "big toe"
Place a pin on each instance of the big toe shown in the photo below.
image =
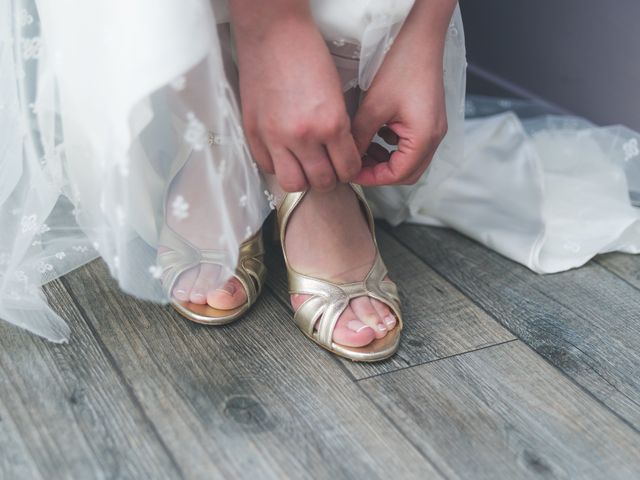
(366, 312)
(229, 296)
(351, 332)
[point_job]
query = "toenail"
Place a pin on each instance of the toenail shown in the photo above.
(390, 321)
(229, 289)
(357, 326)
(381, 327)
(198, 295)
(180, 293)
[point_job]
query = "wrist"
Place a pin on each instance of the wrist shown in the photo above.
(254, 19)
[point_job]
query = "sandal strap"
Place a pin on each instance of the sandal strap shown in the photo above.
(328, 300)
(182, 256)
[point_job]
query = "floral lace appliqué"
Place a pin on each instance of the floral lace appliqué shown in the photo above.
(180, 207)
(631, 149)
(195, 134)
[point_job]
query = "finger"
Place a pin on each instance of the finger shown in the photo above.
(261, 155)
(289, 173)
(397, 170)
(316, 166)
(366, 123)
(389, 135)
(344, 157)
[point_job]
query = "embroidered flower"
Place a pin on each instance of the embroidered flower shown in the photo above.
(29, 223)
(214, 139)
(44, 228)
(31, 48)
(79, 248)
(60, 255)
(195, 134)
(24, 18)
(180, 207)
(243, 201)
(21, 277)
(631, 149)
(43, 267)
(155, 271)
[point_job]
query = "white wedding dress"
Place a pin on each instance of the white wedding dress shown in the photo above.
(100, 99)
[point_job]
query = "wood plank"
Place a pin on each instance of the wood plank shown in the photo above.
(585, 321)
(15, 459)
(439, 320)
(250, 400)
(67, 412)
(624, 265)
(503, 412)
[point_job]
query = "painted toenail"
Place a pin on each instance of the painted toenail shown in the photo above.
(390, 321)
(180, 293)
(381, 327)
(198, 295)
(357, 326)
(229, 289)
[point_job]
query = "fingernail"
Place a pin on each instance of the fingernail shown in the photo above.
(228, 288)
(390, 321)
(381, 327)
(357, 326)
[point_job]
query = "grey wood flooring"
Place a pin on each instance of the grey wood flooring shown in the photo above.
(502, 374)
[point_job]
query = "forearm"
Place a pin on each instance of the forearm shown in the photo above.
(427, 24)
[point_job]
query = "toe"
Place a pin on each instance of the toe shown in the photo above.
(199, 290)
(366, 313)
(182, 288)
(297, 300)
(351, 332)
(228, 296)
(388, 318)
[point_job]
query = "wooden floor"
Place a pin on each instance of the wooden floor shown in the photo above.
(502, 374)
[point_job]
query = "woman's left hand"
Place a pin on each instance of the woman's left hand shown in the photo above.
(405, 103)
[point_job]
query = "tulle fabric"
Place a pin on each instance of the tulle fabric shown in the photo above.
(109, 108)
(100, 101)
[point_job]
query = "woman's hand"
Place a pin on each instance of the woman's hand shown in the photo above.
(293, 108)
(407, 95)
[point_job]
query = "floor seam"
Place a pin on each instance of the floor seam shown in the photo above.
(435, 360)
(562, 372)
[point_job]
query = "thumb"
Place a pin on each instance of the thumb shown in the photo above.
(365, 124)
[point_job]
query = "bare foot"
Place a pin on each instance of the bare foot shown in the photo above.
(328, 237)
(200, 284)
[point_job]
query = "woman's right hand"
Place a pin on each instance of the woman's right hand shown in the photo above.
(294, 113)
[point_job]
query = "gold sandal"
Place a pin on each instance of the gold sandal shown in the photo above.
(181, 255)
(328, 300)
